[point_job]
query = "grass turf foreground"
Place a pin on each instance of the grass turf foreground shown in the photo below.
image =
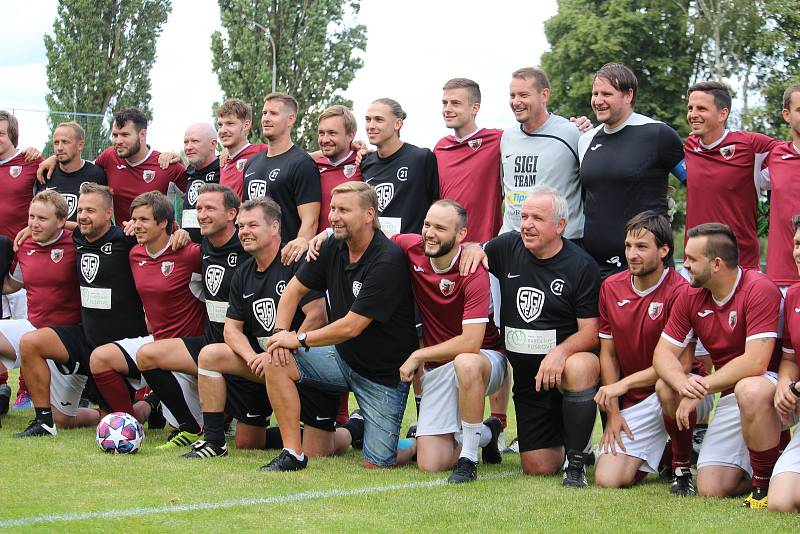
(67, 484)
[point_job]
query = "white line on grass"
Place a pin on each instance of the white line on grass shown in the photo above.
(278, 499)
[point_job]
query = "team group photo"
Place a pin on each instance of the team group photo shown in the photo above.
(300, 316)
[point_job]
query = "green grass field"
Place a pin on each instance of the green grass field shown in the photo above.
(68, 484)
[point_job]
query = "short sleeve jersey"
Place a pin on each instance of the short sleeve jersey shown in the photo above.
(17, 179)
(376, 286)
(195, 179)
(634, 320)
(541, 300)
(218, 267)
(68, 184)
(547, 156)
(407, 183)
(750, 312)
(110, 306)
(332, 174)
(722, 185)
(784, 169)
(624, 172)
(51, 280)
(291, 179)
(232, 173)
(447, 300)
(129, 180)
(469, 173)
(791, 322)
(254, 298)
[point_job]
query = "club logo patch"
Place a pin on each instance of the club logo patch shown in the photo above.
(90, 263)
(56, 254)
(15, 171)
(727, 151)
(167, 267)
(232, 259)
(214, 276)
(193, 192)
(279, 287)
(475, 144)
(385, 194)
(447, 287)
(273, 175)
(72, 203)
(106, 249)
(264, 311)
(557, 286)
(655, 309)
(240, 164)
(402, 174)
(256, 189)
(148, 176)
(732, 319)
(530, 302)
(356, 288)
(349, 171)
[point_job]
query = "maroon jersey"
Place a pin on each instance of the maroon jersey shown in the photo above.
(332, 174)
(791, 322)
(750, 312)
(784, 178)
(469, 173)
(232, 173)
(634, 320)
(163, 283)
(50, 274)
(17, 178)
(128, 181)
(447, 300)
(722, 185)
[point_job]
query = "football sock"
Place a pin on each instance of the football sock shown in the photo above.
(274, 439)
(578, 411)
(344, 406)
(45, 416)
(486, 436)
(294, 453)
(215, 428)
(3, 378)
(417, 402)
(169, 391)
(681, 440)
(470, 438)
(502, 417)
(762, 463)
(23, 387)
(114, 390)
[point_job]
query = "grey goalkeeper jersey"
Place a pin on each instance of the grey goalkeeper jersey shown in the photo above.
(548, 156)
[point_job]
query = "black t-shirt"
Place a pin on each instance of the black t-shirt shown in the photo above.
(69, 184)
(110, 305)
(407, 183)
(624, 173)
(218, 268)
(195, 179)
(254, 298)
(291, 179)
(377, 286)
(542, 300)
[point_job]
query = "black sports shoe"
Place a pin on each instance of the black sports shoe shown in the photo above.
(575, 471)
(356, 427)
(204, 449)
(412, 432)
(491, 453)
(465, 471)
(682, 483)
(37, 428)
(285, 461)
(5, 398)
(156, 419)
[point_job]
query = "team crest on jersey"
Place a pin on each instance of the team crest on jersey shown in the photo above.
(356, 288)
(279, 287)
(214, 276)
(167, 267)
(475, 144)
(727, 151)
(264, 310)
(89, 265)
(56, 254)
(193, 192)
(655, 309)
(72, 203)
(530, 302)
(240, 164)
(349, 171)
(257, 189)
(15, 171)
(106, 249)
(447, 287)
(732, 319)
(385, 193)
(232, 259)
(274, 175)
(148, 176)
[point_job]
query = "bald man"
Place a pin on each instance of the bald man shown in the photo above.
(200, 149)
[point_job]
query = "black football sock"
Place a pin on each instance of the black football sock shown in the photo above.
(214, 428)
(169, 391)
(45, 416)
(578, 411)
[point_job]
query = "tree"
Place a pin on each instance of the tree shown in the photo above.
(316, 43)
(99, 58)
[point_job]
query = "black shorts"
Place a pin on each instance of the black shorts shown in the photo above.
(318, 408)
(247, 401)
(78, 350)
(539, 420)
(194, 344)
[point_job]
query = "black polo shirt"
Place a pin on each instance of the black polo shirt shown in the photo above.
(377, 286)
(69, 184)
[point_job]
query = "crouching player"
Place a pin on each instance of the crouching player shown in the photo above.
(634, 306)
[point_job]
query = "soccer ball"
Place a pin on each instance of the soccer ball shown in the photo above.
(120, 433)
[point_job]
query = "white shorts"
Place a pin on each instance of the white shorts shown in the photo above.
(724, 444)
(65, 390)
(789, 461)
(13, 330)
(494, 288)
(15, 305)
(438, 412)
